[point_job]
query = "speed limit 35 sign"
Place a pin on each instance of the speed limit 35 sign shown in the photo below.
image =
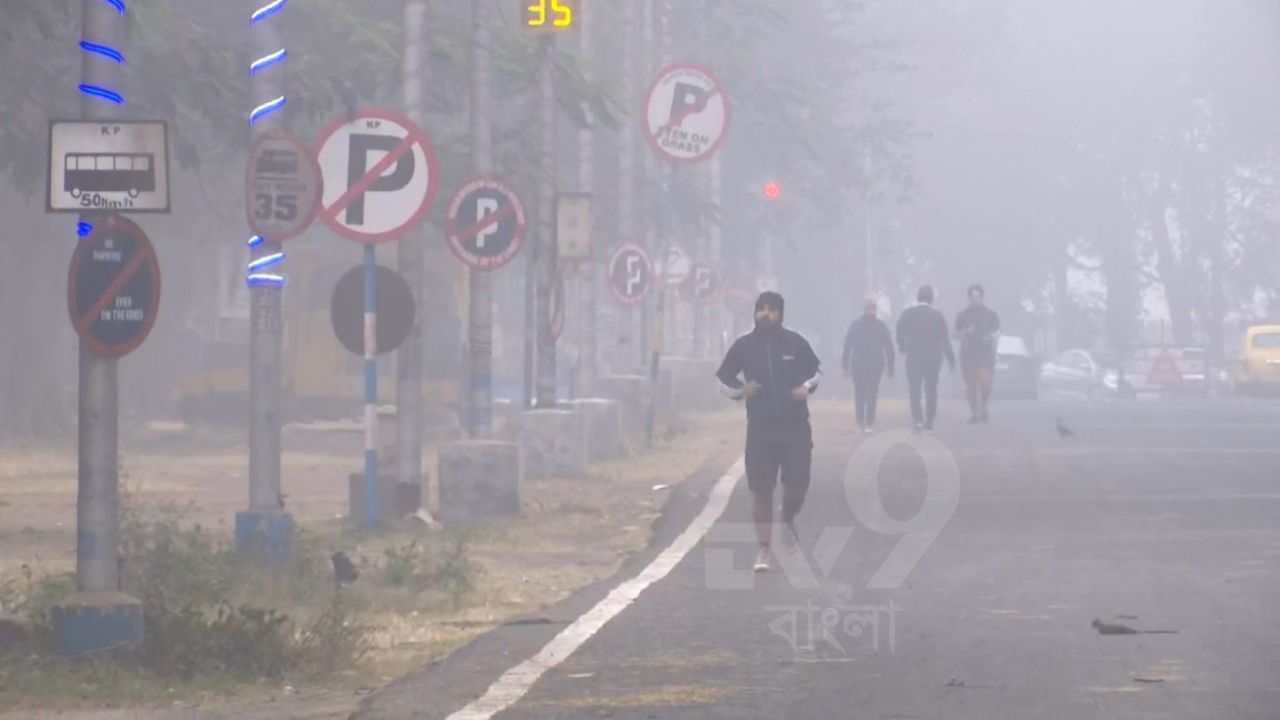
(283, 188)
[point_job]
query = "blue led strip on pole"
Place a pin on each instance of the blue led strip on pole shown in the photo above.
(257, 278)
(84, 229)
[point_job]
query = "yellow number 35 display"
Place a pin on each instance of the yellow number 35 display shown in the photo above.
(539, 12)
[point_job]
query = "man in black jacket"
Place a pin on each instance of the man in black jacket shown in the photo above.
(779, 371)
(924, 341)
(868, 352)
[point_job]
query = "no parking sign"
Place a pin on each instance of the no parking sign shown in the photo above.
(379, 176)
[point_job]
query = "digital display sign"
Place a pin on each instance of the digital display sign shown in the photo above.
(547, 14)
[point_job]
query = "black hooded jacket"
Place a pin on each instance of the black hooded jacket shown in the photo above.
(779, 360)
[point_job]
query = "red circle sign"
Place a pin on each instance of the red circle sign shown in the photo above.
(485, 224)
(630, 274)
(379, 176)
(282, 188)
(113, 287)
(686, 113)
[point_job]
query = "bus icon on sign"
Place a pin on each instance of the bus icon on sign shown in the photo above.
(131, 173)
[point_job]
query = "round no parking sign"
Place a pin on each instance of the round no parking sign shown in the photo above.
(686, 114)
(113, 287)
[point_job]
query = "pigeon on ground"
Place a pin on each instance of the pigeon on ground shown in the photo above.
(344, 571)
(1109, 629)
(1063, 430)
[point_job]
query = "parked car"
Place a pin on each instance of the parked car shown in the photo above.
(1258, 369)
(1072, 374)
(1017, 370)
(1139, 365)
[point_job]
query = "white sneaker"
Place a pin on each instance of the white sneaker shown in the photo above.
(867, 430)
(762, 561)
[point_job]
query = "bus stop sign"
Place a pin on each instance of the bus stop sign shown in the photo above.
(119, 165)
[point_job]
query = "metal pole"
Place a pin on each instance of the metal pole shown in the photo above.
(410, 260)
(97, 498)
(648, 317)
(546, 275)
(265, 304)
(866, 229)
(626, 317)
(370, 387)
(481, 287)
(589, 352)
(714, 238)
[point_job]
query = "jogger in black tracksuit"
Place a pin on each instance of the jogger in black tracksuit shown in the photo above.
(868, 353)
(924, 341)
(779, 371)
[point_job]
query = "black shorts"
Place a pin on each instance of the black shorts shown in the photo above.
(772, 452)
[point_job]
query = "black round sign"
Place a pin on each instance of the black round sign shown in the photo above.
(113, 287)
(630, 274)
(485, 223)
(394, 306)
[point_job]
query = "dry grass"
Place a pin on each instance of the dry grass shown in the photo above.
(572, 532)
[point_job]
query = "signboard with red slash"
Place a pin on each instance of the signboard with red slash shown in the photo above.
(485, 223)
(113, 287)
(379, 176)
(686, 114)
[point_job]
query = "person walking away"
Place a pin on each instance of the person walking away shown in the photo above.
(775, 370)
(868, 354)
(977, 328)
(924, 343)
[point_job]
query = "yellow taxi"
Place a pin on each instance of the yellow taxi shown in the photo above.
(1259, 367)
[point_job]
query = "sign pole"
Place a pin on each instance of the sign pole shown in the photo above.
(98, 616)
(480, 306)
(409, 358)
(97, 503)
(370, 387)
(265, 530)
(588, 350)
(547, 270)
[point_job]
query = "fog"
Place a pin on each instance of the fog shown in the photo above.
(1105, 170)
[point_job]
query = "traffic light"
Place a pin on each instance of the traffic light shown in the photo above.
(772, 190)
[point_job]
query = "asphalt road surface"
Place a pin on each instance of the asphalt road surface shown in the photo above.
(1156, 516)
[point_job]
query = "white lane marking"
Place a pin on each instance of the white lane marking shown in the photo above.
(513, 684)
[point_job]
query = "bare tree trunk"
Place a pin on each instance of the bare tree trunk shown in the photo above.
(1169, 266)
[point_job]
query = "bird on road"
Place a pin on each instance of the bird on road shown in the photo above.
(1064, 431)
(1109, 629)
(344, 571)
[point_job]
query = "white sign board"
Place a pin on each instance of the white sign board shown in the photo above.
(574, 221)
(121, 165)
(675, 265)
(686, 114)
(379, 176)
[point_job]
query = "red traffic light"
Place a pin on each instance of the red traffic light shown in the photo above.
(772, 190)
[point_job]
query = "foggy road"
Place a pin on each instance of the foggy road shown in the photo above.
(1158, 516)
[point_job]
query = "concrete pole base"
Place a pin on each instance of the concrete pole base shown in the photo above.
(91, 622)
(554, 443)
(265, 535)
(632, 394)
(479, 479)
(603, 420)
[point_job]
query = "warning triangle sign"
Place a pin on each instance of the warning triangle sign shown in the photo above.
(1164, 371)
